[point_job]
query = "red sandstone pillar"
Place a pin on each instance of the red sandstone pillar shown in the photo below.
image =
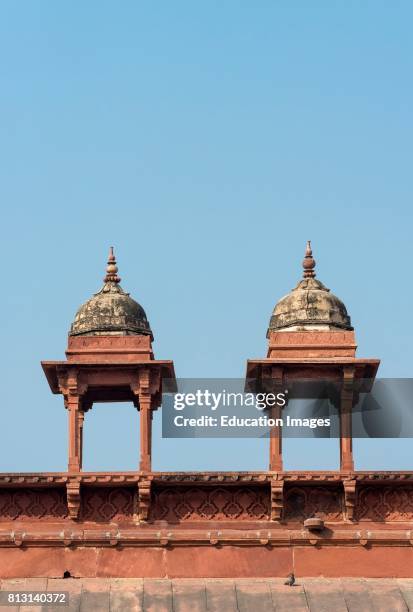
(81, 417)
(73, 406)
(346, 407)
(276, 461)
(145, 414)
(346, 442)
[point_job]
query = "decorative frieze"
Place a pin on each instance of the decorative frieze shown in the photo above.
(27, 504)
(307, 502)
(180, 504)
(388, 503)
(185, 497)
(107, 504)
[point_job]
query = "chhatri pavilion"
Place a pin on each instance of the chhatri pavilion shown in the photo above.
(256, 524)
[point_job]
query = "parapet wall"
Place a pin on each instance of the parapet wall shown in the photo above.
(231, 524)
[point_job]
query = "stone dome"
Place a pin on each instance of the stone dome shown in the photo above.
(111, 311)
(310, 306)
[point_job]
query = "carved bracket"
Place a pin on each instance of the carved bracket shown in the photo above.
(277, 499)
(273, 379)
(349, 498)
(148, 382)
(70, 383)
(348, 383)
(73, 498)
(144, 499)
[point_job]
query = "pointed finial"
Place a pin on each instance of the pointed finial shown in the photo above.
(308, 262)
(111, 269)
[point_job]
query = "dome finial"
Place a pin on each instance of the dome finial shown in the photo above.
(308, 262)
(111, 269)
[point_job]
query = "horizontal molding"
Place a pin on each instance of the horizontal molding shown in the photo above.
(64, 536)
(12, 479)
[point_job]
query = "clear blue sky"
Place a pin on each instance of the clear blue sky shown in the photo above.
(207, 142)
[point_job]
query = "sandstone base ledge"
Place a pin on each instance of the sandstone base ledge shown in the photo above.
(200, 595)
(207, 562)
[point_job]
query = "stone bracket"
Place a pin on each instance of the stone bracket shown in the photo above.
(349, 498)
(73, 498)
(71, 383)
(277, 499)
(148, 382)
(144, 499)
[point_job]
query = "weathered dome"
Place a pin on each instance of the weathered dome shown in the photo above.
(111, 311)
(310, 306)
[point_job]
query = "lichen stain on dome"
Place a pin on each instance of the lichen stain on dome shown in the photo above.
(111, 311)
(310, 305)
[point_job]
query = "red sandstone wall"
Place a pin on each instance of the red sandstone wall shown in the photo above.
(208, 562)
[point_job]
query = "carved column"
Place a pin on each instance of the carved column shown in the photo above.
(146, 389)
(346, 407)
(73, 391)
(75, 431)
(81, 417)
(145, 414)
(276, 460)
